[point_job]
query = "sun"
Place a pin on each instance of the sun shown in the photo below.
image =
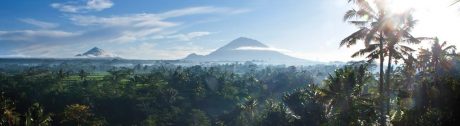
(400, 6)
(435, 18)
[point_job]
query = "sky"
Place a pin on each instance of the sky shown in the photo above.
(172, 29)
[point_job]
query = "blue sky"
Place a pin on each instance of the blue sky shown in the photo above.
(172, 29)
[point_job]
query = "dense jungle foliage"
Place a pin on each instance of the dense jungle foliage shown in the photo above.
(233, 94)
(416, 87)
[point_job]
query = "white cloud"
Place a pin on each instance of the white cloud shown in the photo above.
(129, 28)
(14, 56)
(184, 37)
(113, 31)
(263, 49)
(316, 56)
(40, 24)
(46, 51)
(32, 35)
(78, 7)
(151, 51)
(201, 10)
(134, 20)
(151, 19)
(134, 27)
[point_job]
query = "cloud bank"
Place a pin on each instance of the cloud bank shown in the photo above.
(78, 7)
(137, 33)
(40, 24)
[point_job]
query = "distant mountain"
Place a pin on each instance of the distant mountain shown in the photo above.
(246, 49)
(96, 53)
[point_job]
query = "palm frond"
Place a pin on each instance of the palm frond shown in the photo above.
(424, 38)
(368, 49)
(365, 14)
(359, 23)
(370, 36)
(350, 14)
(444, 44)
(406, 48)
(455, 2)
(451, 47)
(351, 40)
(372, 56)
(410, 39)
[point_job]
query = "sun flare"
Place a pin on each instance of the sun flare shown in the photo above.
(436, 18)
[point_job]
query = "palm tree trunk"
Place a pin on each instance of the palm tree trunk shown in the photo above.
(383, 119)
(387, 86)
(435, 67)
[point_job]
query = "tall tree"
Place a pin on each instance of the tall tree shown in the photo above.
(373, 20)
(440, 54)
(307, 106)
(395, 48)
(345, 98)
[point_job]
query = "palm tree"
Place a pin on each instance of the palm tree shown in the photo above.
(394, 48)
(440, 54)
(247, 109)
(35, 116)
(424, 58)
(374, 24)
(277, 114)
(306, 106)
(437, 57)
(8, 115)
(389, 29)
(77, 114)
(344, 96)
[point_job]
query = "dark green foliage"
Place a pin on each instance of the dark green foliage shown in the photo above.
(154, 95)
(348, 103)
(307, 106)
(35, 116)
(277, 114)
(233, 94)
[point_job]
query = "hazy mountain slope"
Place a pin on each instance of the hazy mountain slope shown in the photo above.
(96, 53)
(245, 49)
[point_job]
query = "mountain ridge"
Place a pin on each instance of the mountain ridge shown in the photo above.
(96, 52)
(246, 49)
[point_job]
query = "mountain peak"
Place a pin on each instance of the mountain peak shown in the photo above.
(244, 39)
(243, 42)
(95, 48)
(96, 52)
(234, 51)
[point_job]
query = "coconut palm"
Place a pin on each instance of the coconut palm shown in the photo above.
(424, 58)
(8, 114)
(306, 105)
(373, 23)
(277, 114)
(437, 57)
(394, 47)
(440, 54)
(77, 114)
(248, 110)
(345, 99)
(377, 23)
(36, 116)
